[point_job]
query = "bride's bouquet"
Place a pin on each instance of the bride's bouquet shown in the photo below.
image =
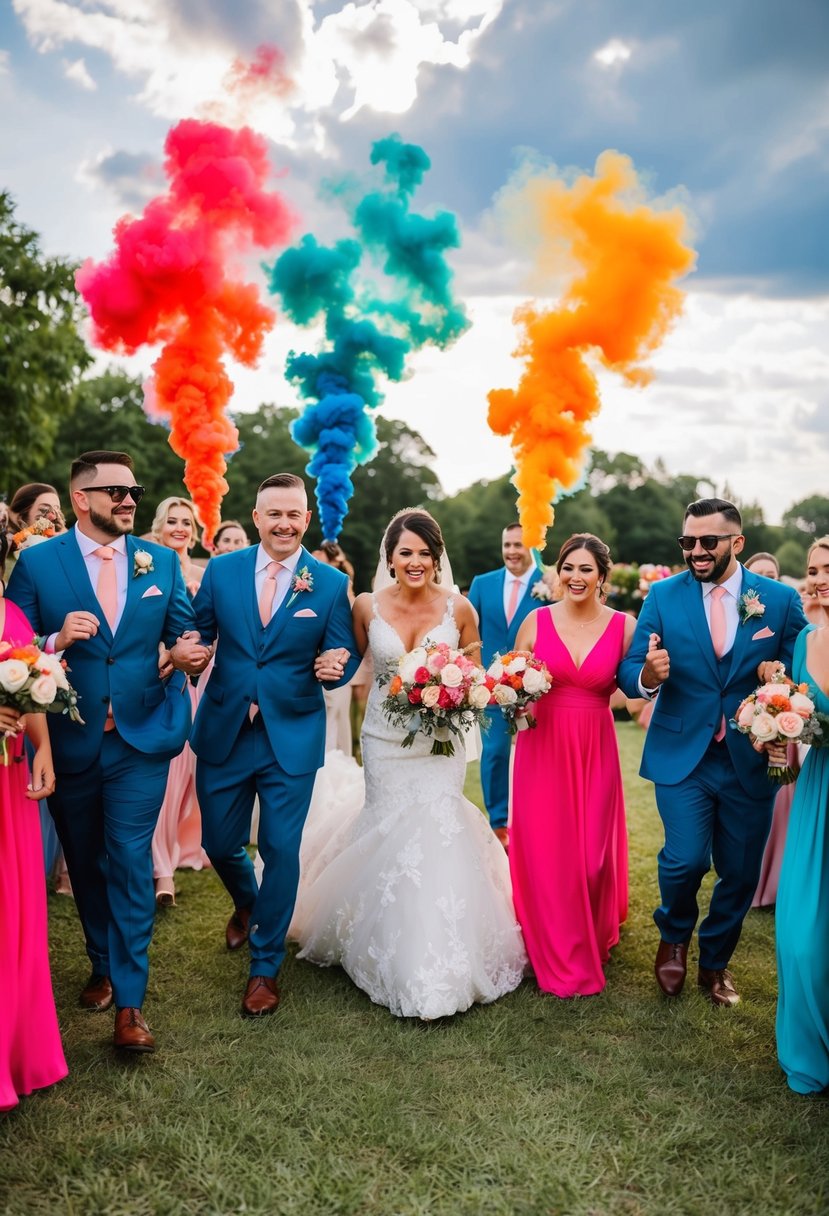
(437, 691)
(517, 680)
(781, 712)
(34, 682)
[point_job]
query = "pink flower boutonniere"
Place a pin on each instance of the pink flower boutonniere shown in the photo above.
(303, 581)
(142, 563)
(750, 606)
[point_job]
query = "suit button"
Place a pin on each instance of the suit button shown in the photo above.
(110, 661)
(260, 664)
(105, 700)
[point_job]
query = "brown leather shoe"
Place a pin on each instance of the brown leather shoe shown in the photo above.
(131, 1031)
(503, 836)
(670, 966)
(261, 996)
(96, 995)
(719, 986)
(236, 933)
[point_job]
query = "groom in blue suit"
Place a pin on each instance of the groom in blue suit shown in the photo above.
(109, 601)
(704, 639)
(275, 612)
(502, 599)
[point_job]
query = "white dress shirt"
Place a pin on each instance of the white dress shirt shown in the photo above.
(93, 565)
(529, 575)
(284, 577)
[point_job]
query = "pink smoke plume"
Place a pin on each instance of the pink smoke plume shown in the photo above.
(174, 278)
(266, 73)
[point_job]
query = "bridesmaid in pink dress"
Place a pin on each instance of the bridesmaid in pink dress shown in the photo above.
(31, 1055)
(568, 844)
(177, 837)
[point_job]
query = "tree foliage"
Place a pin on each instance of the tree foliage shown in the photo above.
(42, 355)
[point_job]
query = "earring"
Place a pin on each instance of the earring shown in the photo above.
(391, 572)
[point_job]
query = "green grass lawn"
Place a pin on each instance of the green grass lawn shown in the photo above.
(622, 1103)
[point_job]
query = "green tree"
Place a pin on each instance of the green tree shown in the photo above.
(810, 515)
(42, 355)
(792, 557)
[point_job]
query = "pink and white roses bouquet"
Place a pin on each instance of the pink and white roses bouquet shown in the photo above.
(34, 682)
(779, 713)
(517, 680)
(437, 691)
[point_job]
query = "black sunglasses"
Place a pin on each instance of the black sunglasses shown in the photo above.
(708, 542)
(119, 493)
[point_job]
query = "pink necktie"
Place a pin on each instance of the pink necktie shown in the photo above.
(107, 589)
(266, 595)
(513, 599)
(718, 638)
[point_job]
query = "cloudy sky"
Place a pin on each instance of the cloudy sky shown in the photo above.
(725, 104)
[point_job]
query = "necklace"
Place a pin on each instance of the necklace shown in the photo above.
(584, 624)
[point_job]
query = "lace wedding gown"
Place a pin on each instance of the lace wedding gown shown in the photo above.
(416, 904)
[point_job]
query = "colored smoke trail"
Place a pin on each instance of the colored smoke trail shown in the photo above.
(172, 279)
(369, 331)
(620, 304)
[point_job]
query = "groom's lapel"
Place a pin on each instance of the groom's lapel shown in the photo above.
(289, 605)
(248, 599)
(77, 575)
(692, 594)
(744, 630)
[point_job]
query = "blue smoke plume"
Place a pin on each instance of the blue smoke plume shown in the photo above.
(370, 327)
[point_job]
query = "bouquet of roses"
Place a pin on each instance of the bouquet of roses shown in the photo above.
(781, 712)
(517, 680)
(42, 529)
(34, 682)
(437, 691)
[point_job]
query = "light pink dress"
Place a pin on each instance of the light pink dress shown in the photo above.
(177, 836)
(568, 844)
(766, 894)
(31, 1055)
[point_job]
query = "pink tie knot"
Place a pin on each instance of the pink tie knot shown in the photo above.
(272, 569)
(105, 552)
(718, 593)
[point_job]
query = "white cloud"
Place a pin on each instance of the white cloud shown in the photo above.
(613, 53)
(78, 71)
(5, 60)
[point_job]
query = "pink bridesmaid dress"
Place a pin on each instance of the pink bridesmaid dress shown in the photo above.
(177, 837)
(568, 843)
(31, 1055)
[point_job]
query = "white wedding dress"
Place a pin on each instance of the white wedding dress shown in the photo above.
(413, 896)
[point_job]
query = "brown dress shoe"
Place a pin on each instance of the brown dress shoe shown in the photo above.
(503, 836)
(131, 1031)
(670, 966)
(96, 995)
(236, 933)
(261, 996)
(719, 986)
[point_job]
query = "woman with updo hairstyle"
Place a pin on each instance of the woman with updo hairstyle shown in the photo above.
(36, 500)
(568, 841)
(177, 836)
(229, 536)
(802, 913)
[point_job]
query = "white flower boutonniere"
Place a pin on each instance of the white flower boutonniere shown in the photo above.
(303, 581)
(142, 563)
(540, 591)
(750, 606)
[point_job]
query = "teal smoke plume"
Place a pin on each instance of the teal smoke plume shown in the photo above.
(382, 294)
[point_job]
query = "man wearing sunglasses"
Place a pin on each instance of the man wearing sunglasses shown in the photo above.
(703, 651)
(108, 601)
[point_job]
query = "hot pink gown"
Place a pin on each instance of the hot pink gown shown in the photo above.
(31, 1055)
(568, 843)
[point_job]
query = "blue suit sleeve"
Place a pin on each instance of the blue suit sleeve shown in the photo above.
(180, 616)
(340, 634)
(23, 592)
(204, 609)
(649, 622)
(474, 595)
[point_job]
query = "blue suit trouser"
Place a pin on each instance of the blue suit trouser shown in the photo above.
(495, 752)
(226, 793)
(706, 817)
(105, 818)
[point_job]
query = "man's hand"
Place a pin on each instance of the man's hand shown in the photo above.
(77, 627)
(166, 667)
(657, 666)
(767, 670)
(330, 665)
(189, 655)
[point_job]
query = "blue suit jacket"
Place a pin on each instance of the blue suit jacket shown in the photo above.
(51, 580)
(486, 595)
(699, 690)
(273, 666)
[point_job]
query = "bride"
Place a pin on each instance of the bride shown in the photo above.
(415, 901)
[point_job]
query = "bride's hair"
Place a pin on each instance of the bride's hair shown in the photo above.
(422, 524)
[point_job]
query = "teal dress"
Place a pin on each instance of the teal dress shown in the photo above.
(803, 916)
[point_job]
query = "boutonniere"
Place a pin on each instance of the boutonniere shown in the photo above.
(142, 563)
(303, 580)
(750, 606)
(540, 591)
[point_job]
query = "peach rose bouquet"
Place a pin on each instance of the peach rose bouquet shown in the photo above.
(437, 691)
(518, 679)
(34, 682)
(779, 713)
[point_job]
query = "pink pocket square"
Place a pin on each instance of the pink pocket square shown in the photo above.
(765, 632)
(152, 591)
(305, 612)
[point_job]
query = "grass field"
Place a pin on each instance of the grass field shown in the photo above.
(622, 1103)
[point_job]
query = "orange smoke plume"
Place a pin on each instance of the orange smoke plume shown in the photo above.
(624, 258)
(173, 279)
